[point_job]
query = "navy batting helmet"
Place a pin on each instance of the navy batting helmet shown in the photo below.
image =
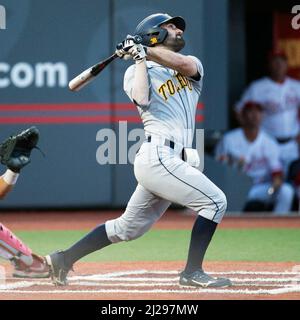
(151, 32)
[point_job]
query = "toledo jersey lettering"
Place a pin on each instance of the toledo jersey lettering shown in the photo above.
(173, 101)
(170, 88)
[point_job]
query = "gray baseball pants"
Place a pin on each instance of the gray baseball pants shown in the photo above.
(163, 177)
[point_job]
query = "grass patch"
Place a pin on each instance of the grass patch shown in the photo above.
(227, 245)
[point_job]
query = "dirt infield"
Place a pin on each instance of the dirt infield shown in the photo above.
(151, 280)
(159, 280)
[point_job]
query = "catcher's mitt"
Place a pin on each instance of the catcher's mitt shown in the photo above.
(15, 151)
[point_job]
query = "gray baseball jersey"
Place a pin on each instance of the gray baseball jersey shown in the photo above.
(173, 102)
(163, 176)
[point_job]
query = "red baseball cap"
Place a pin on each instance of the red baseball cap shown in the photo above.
(277, 53)
(252, 104)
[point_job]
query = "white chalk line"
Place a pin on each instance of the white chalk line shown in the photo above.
(111, 275)
(295, 289)
(175, 280)
(16, 285)
(164, 272)
(142, 285)
(158, 280)
(122, 274)
(161, 284)
(118, 279)
(24, 284)
(257, 272)
(155, 279)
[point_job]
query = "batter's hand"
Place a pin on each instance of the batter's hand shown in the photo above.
(122, 54)
(138, 53)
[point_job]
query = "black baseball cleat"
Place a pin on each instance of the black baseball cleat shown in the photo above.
(58, 269)
(201, 279)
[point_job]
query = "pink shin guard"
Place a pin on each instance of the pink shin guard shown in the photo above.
(11, 246)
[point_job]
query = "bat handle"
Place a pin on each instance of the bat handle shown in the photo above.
(96, 69)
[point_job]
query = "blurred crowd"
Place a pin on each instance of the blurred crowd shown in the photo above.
(266, 145)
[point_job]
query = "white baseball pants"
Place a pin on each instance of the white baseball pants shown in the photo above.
(283, 198)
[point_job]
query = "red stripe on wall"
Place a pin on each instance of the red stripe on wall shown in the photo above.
(67, 119)
(66, 107)
(89, 106)
(57, 119)
(81, 119)
(199, 118)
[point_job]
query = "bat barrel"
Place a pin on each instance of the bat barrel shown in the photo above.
(81, 80)
(89, 74)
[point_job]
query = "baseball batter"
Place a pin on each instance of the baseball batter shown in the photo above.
(165, 86)
(280, 97)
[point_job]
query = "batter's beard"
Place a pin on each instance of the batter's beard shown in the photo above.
(175, 44)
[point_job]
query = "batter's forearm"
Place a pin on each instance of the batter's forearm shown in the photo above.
(140, 89)
(183, 64)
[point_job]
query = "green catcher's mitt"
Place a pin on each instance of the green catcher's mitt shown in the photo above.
(15, 151)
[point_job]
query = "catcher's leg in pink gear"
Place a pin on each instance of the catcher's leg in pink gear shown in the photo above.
(12, 247)
(26, 264)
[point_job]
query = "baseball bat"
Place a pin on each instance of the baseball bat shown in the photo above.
(90, 73)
